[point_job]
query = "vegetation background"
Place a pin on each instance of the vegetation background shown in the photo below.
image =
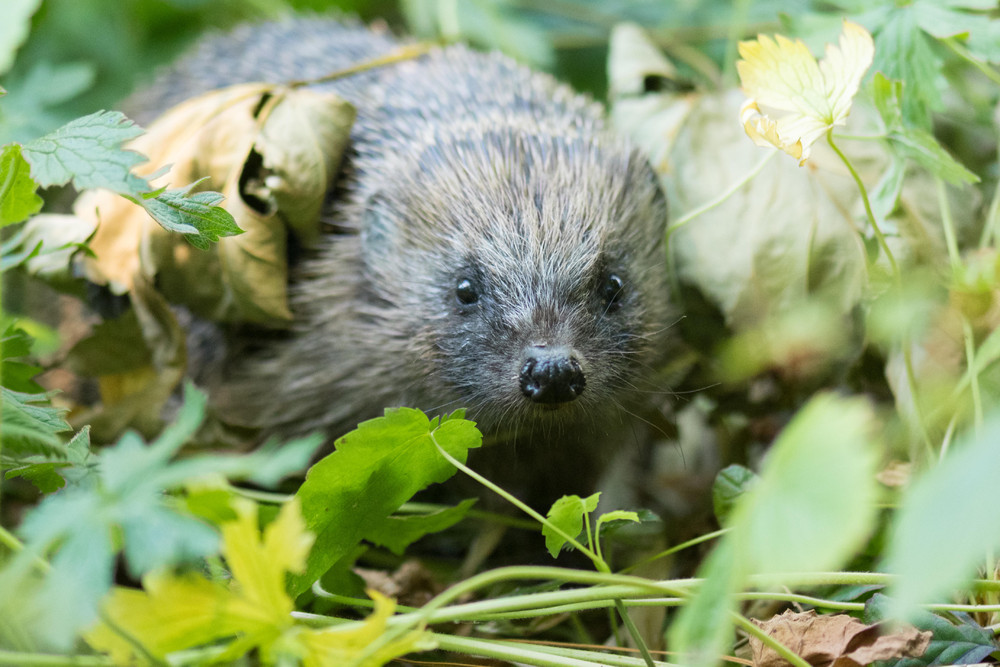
(840, 329)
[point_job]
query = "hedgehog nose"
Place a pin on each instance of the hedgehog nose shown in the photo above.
(551, 375)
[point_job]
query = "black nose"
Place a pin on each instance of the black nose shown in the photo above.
(551, 375)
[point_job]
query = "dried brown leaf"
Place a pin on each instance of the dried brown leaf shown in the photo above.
(835, 640)
(273, 152)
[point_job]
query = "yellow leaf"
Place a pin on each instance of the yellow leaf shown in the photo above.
(781, 75)
(353, 644)
(172, 613)
(177, 612)
(259, 568)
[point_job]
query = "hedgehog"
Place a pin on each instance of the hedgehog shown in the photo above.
(491, 244)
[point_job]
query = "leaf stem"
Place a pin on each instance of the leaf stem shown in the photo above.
(598, 563)
(948, 224)
(955, 258)
(18, 659)
(595, 557)
(970, 357)
(400, 54)
(634, 632)
(533, 654)
(911, 376)
(988, 234)
(964, 53)
(674, 549)
(879, 236)
(10, 541)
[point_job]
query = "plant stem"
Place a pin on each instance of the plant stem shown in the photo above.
(18, 659)
(537, 654)
(986, 238)
(10, 541)
(911, 376)
(634, 632)
(868, 207)
(481, 515)
(964, 53)
(266, 497)
(400, 54)
(970, 356)
(948, 224)
(607, 586)
(674, 549)
(951, 241)
(598, 563)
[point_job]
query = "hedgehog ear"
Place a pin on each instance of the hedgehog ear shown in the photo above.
(379, 227)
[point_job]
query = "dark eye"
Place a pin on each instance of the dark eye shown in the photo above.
(466, 292)
(612, 292)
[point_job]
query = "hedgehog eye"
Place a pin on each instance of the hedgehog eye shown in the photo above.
(466, 292)
(612, 292)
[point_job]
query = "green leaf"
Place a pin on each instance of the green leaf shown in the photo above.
(14, 29)
(29, 428)
(941, 531)
(810, 510)
(83, 461)
(815, 502)
(617, 516)
(903, 52)
(619, 525)
(15, 343)
(35, 103)
(17, 375)
(130, 466)
(81, 568)
(963, 644)
(76, 463)
(120, 499)
(88, 151)
(704, 626)
(399, 531)
(887, 94)
(912, 142)
(984, 41)
(981, 32)
(731, 484)
(157, 537)
(44, 476)
(942, 21)
(18, 197)
(341, 577)
(885, 195)
(610, 523)
(921, 146)
(195, 215)
(374, 470)
(567, 515)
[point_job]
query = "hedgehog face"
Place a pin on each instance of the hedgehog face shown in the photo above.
(542, 289)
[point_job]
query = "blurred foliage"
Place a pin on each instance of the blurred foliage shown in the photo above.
(842, 346)
(63, 72)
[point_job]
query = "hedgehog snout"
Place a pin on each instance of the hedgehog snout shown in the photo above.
(551, 375)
